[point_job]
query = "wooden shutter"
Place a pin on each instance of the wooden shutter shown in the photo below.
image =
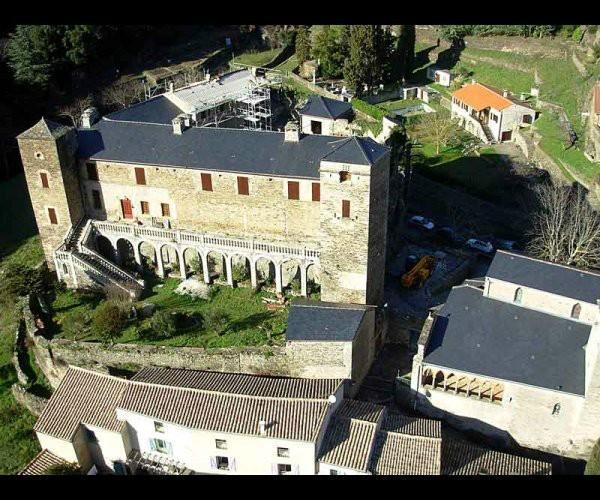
(52, 216)
(140, 176)
(127, 209)
(92, 171)
(293, 190)
(145, 207)
(206, 182)
(242, 183)
(166, 210)
(345, 208)
(316, 191)
(44, 177)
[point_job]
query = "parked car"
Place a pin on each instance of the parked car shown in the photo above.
(505, 244)
(421, 222)
(480, 245)
(448, 235)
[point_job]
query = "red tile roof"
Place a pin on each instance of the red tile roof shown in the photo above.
(479, 97)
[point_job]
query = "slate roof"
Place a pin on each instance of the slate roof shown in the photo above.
(83, 396)
(220, 149)
(40, 464)
(44, 129)
(483, 336)
(156, 110)
(324, 321)
(546, 276)
(240, 383)
(324, 107)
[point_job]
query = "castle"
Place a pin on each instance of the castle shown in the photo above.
(146, 185)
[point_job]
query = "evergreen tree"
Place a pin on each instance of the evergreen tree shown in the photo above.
(302, 44)
(363, 65)
(327, 49)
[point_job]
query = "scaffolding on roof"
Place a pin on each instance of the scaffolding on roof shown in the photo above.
(255, 109)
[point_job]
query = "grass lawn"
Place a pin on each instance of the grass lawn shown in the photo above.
(18, 245)
(257, 58)
(399, 104)
(250, 323)
(288, 65)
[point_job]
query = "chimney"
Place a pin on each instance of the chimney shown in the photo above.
(262, 427)
(171, 87)
(292, 132)
(178, 125)
(505, 93)
(89, 117)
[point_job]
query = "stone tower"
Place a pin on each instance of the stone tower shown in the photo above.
(353, 213)
(48, 155)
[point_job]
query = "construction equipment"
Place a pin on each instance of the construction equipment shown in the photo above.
(419, 273)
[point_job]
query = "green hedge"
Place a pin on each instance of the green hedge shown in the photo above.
(369, 109)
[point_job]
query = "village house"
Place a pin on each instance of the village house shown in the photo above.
(169, 421)
(490, 114)
(287, 205)
(322, 115)
(441, 76)
(516, 356)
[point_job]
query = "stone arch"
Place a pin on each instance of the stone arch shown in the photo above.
(486, 390)
(462, 385)
(290, 275)
(427, 378)
(313, 278)
(147, 255)
(472, 387)
(450, 382)
(576, 311)
(169, 255)
(126, 253)
(439, 379)
(265, 271)
(105, 247)
(240, 268)
(518, 298)
(216, 264)
(497, 393)
(192, 261)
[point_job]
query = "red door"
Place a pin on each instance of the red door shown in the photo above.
(127, 209)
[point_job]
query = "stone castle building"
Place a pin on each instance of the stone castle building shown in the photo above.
(516, 356)
(144, 185)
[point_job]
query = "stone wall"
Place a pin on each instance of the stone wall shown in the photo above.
(33, 403)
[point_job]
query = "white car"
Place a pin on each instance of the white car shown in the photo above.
(482, 246)
(422, 222)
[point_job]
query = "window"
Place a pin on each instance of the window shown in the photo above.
(315, 126)
(221, 444)
(39, 155)
(96, 199)
(159, 427)
(493, 117)
(166, 210)
(145, 206)
(91, 435)
(293, 190)
(140, 176)
(223, 463)
(518, 296)
(283, 452)
(333, 472)
(52, 216)
(576, 311)
(345, 176)
(283, 469)
(161, 446)
(345, 208)
(316, 191)
(206, 182)
(44, 179)
(242, 183)
(92, 171)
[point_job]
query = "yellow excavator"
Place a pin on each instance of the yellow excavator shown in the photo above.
(419, 273)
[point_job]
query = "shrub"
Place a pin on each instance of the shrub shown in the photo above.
(239, 272)
(21, 281)
(163, 324)
(216, 321)
(196, 265)
(577, 34)
(109, 319)
(77, 324)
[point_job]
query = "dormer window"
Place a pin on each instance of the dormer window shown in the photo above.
(345, 176)
(576, 311)
(518, 296)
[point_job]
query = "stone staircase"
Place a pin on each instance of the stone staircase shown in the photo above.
(488, 133)
(92, 266)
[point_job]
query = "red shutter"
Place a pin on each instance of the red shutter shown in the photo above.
(52, 216)
(127, 209)
(242, 183)
(293, 190)
(206, 182)
(345, 208)
(44, 178)
(316, 191)
(140, 176)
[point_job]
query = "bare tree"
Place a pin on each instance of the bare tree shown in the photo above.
(123, 95)
(566, 229)
(437, 128)
(75, 108)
